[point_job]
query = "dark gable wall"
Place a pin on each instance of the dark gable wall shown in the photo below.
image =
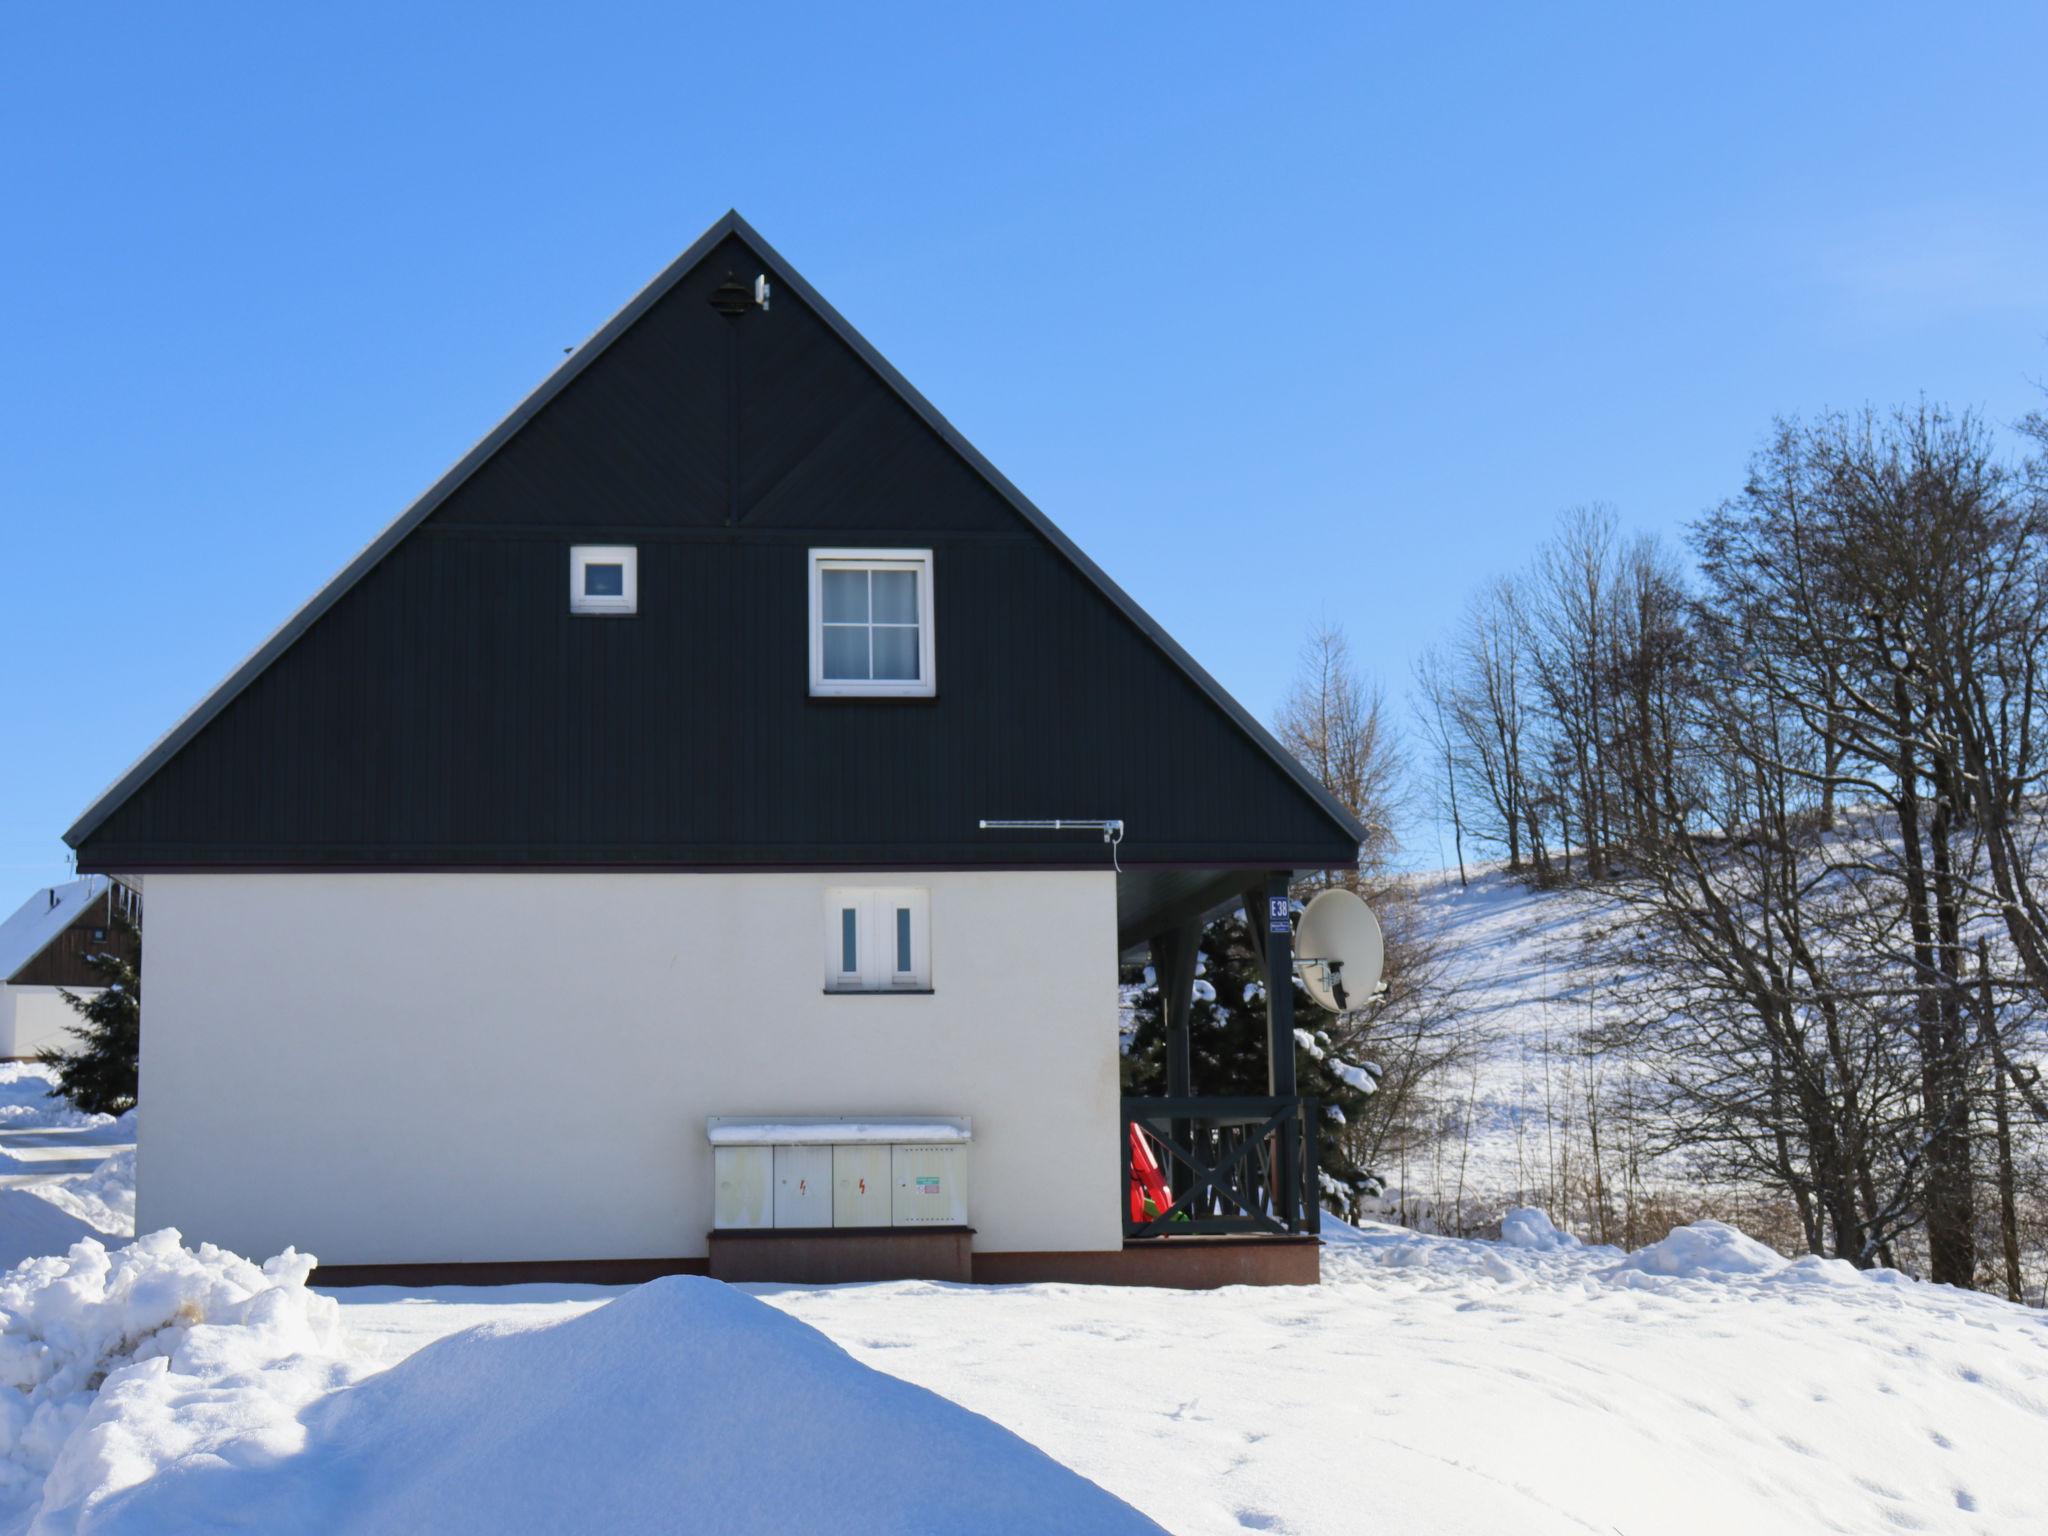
(448, 710)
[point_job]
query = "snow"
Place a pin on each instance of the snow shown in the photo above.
(1431, 1384)
(41, 918)
(1365, 1079)
(1707, 1248)
(112, 1363)
(1443, 1386)
(104, 1199)
(1357, 1077)
(58, 1186)
(1527, 1227)
(232, 1393)
(26, 1105)
(31, 1225)
(741, 1131)
(1518, 956)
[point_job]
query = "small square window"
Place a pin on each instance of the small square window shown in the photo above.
(604, 579)
(877, 940)
(871, 622)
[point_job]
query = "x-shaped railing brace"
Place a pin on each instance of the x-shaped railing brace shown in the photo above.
(1206, 1177)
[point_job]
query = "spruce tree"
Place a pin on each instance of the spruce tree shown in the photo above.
(100, 1076)
(1228, 1051)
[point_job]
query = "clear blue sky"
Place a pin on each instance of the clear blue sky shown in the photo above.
(1279, 311)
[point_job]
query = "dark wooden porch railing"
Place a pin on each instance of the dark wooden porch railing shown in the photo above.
(1234, 1165)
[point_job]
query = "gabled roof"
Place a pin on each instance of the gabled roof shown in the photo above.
(786, 276)
(37, 922)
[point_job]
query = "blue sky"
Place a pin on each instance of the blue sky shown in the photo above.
(1280, 312)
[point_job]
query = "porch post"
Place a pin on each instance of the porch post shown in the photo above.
(1173, 963)
(1174, 954)
(1278, 936)
(1277, 932)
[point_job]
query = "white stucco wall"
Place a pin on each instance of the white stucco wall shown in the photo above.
(464, 1068)
(34, 1017)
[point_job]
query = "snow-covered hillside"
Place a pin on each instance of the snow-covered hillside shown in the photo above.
(1516, 956)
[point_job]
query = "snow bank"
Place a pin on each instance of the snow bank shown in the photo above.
(1527, 1227)
(1467, 1388)
(104, 1198)
(31, 1226)
(112, 1363)
(47, 1218)
(1704, 1250)
(26, 1105)
(683, 1405)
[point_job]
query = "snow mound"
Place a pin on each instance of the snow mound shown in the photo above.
(103, 1200)
(40, 1219)
(682, 1405)
(1527, 1227)
(81, 1333)
(1704, 1250)
(31, 1226)
(26, 1105)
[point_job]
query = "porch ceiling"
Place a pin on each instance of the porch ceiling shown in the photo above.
(1151, 900)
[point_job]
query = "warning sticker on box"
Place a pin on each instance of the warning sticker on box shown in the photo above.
(927, 1184)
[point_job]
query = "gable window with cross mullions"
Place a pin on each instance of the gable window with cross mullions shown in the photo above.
(871, 623)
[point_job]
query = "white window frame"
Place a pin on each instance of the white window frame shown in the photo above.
(877, 928)
(926, 684)
(584, 555)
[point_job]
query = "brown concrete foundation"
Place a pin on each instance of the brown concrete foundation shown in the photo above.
(1175, 1263)
(826, 1256)
(832, 1255)
(514, 1272)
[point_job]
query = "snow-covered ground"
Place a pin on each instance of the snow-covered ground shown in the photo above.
(63, 1175)
(160, 1389)
(1430, 1384)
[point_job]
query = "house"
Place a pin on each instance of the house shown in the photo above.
(43, 948)
(612, 827)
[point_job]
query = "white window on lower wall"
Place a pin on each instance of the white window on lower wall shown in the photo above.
(878, 939)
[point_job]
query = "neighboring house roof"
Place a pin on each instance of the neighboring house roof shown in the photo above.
(38, 921)
(732, 224)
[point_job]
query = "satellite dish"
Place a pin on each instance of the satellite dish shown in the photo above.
(1338, 950)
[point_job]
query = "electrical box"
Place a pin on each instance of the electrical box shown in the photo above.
(803, 1186)
(860, 1185)
(745, 1187)
(931, 1184)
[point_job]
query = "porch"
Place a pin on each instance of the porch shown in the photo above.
(1206, 1171)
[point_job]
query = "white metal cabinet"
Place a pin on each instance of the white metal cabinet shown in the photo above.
(745, 1194)
(803, 1186)
(860, 1185)
(931, 1185)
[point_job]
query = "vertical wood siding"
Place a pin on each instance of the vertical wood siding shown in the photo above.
(448, 710)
